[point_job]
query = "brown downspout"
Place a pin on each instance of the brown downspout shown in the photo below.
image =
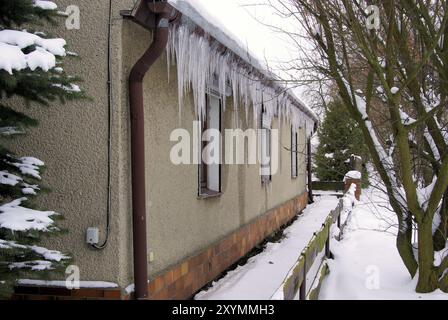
(138, 72)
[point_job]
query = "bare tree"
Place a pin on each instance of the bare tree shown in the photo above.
(389, 63)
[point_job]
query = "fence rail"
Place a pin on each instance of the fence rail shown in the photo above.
(328, 185)
(296, 281)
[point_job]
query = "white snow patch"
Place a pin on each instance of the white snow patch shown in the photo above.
(9, 178)
(17, 218)
(45, 5)
(40, 58)
(57, 283)
(11, 58)
(24, 39)
(367, 265)
(52, 255)
(29, 191)
(29, 166)
(405, 118)
(44, 56)
(71, 88)
(36, 265)
(352, 175)
(9, 131)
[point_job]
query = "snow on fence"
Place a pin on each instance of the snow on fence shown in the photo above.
(312, 262)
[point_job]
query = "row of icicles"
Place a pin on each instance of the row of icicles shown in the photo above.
(200, 63)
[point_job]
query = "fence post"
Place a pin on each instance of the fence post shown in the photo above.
(327, 248)
(327, 244)
(356, 165)
(302, 290)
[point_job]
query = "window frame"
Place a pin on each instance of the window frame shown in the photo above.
(294, 154)
(265, 179)
(203, 191)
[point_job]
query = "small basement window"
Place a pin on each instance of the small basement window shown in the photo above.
(266, 126)
(294, 153)
(210, 149)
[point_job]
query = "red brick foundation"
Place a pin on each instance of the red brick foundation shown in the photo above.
(185, 279)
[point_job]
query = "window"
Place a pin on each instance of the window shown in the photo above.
(210, 165)
(266, 123)
(294, 153)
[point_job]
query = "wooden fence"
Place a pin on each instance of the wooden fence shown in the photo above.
(295, 285)
(328, 185)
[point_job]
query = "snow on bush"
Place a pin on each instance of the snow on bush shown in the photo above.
(12, 42)
(32, 64)
(15, 217)
(45, 5)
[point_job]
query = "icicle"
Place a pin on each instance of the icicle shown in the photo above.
(200, 62)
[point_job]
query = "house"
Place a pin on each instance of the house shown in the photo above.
(169, 221)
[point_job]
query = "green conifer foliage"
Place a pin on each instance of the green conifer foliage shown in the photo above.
(38, 83)
(339, 138)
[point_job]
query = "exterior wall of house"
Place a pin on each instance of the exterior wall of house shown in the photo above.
(72, 140)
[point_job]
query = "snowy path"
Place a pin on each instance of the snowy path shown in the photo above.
(367, 264)
(263, 274)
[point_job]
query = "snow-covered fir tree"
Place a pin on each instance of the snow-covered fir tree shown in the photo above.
(32, 75)
(339, 137)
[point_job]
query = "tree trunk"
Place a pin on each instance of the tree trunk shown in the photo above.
(428, 276)
(404, 245)
(443, 284)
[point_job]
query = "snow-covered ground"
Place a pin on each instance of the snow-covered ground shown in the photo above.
(264, 273)
(367, 265)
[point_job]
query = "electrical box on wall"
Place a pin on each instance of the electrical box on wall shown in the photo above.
(93, 235)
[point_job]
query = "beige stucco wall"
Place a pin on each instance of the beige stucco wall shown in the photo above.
(179, 223)
(72, 140)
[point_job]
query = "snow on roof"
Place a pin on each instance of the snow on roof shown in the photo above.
(197, 12)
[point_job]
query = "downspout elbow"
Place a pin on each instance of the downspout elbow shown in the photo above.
(155, 50)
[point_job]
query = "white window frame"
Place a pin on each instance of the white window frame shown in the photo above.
(294, 154)
(209, 175)
(266, 145)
